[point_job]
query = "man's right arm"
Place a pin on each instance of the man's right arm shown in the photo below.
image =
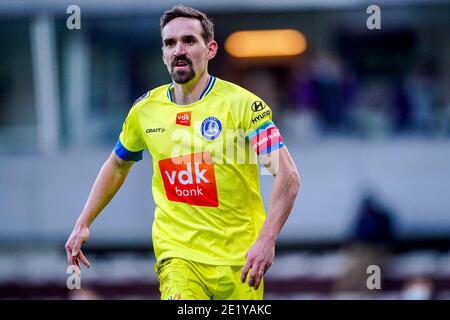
(108, 182)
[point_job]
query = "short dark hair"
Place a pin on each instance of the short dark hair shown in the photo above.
(188, 12)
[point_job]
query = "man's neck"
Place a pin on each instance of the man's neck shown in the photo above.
(190, 92)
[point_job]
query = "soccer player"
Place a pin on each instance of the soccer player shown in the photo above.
(211, 236)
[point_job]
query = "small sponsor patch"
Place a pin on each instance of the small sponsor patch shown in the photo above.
(183, 119)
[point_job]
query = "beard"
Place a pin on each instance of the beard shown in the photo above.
(182, 76)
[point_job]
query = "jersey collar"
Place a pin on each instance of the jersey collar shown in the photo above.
(206, 91)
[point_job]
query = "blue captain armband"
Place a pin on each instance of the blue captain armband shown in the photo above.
(124, 154)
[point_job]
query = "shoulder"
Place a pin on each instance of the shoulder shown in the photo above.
(239, 98)
(234, 91)
(144, 96)
(155, 94)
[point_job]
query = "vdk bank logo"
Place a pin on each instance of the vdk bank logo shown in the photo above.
(184, 119)
(190, 179)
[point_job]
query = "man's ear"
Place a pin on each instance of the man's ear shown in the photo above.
(212, 49)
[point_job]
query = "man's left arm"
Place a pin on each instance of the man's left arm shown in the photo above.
(286, 187)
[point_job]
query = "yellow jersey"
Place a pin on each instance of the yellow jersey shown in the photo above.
(205, 180)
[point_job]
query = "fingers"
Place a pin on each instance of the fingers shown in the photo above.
(259, 276)
(76, 246)
(75, 261)
(74, 253)
(252, 277)
(71, 258)
(257, 271)
(245, 271)
(76, 268)
(83, 259)
(69, 254)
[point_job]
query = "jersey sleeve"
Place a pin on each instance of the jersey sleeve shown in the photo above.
(130, 146)
(261, 132)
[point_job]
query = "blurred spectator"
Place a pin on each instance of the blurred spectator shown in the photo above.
(371, 114)
(326, 91)
(374, 225)
(302, 119)
(369, 245)
(420, 91)
(322, 87)
(327, 79)
(420, 288)
(401, 107)
(441, 117)
(301, 87)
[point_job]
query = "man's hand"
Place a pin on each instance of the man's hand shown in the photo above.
(108, 182)
(259, 259)
(79, 235)
(287, 185)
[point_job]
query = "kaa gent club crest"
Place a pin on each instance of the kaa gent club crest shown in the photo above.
(211, 128)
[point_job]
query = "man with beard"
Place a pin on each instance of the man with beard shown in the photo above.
(210, 231)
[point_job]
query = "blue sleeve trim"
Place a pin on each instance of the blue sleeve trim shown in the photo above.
(125, 154)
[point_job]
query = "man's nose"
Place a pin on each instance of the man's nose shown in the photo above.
(179, 50)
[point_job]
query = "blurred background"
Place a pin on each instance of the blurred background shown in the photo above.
(365, 114)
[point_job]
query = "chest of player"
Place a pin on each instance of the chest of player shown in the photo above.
(170, 131)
